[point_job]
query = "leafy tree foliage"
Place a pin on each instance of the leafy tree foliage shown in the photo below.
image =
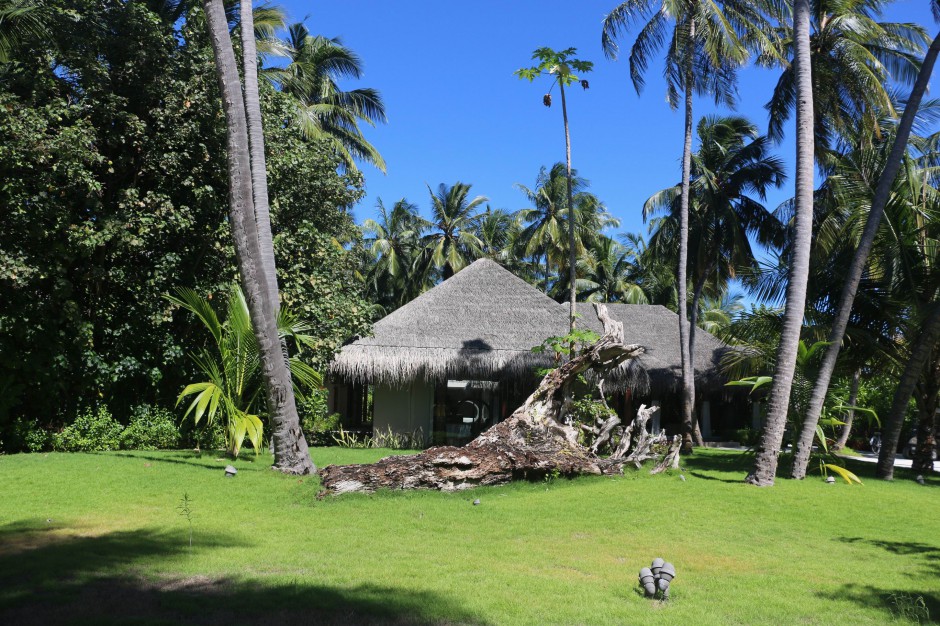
(112, 153)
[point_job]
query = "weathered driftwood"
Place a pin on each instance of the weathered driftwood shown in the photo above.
(532, 443)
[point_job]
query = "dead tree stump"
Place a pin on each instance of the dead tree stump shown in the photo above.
(532, 443)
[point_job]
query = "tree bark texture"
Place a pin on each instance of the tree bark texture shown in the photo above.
(850, 417)
(290, 453)
(693, 327)
(259, 174)
(768, 450)
(859, 261)
(532, 443)
(688, 371)
(922, 461)
(572, 256)
(913, 370)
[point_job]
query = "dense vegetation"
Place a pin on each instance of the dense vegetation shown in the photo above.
(112, 153)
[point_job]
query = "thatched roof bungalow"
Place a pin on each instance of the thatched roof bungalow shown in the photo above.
(464, 349)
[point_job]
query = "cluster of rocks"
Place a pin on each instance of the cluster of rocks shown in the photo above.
(656, 578)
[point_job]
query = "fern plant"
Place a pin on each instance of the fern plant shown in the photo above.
(233, 368)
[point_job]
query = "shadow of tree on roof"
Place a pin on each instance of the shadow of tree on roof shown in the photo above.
(54, 578)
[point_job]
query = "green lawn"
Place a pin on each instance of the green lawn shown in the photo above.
(97, 538)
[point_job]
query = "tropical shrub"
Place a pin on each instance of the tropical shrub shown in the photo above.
(26, 436)
(233, 369)
(150, 428)
(316, 420)
(92, 431)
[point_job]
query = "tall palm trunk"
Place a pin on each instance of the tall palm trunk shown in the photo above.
(765, 461)
(291, 453)
(847, 425)
(847, 298)
(693, 328)
(688, 372)
(922, 460)
(259, 175)
(572, 257)
(891, 433)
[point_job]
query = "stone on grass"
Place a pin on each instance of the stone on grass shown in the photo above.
(230, 471)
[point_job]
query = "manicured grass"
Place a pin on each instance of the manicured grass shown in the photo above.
(96, 538)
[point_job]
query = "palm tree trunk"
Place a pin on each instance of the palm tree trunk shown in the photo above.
(853, 398)
(291, 453)
(891, 433)
(765, 461)
(923, 453)
(259, 175)
(693, 326)
(849, 289)
(572, 278)
(688, 375)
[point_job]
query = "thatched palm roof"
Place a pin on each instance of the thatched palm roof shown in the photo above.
(482, 323)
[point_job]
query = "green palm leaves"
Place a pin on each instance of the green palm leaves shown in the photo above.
(19, 19)
(232, 367)
(452, 244)
(324, 110)
(852, 57)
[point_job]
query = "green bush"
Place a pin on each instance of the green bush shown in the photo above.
(27, 436)
(747, 437)
(92, 431)
(150, 428)
(316, 421)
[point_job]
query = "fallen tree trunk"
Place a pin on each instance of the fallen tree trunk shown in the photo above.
(532, 443)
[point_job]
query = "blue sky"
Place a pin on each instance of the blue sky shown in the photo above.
(457, 113)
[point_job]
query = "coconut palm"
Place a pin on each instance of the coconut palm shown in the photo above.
(291, 454)
(707, 43)
(452, 243)
(324, 111)
(854, 274)
(543, 223)
(852, 57)
(19, 19)
(394, 241)
(495, 230)
(766, 456)
(232, 367)
(610, 274)
(731, 173)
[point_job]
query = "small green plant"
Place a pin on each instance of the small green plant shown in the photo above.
(569, 344)
(910, 608)
(27, 436)
(233, 370)
(316, 421)
(346, 439)
(185, 509)
(150, 428)
(92, 431)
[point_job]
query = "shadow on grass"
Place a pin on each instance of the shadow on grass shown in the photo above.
(902, 603)
(207, 459)
(734, 465)
(48, 578)
(924, 555)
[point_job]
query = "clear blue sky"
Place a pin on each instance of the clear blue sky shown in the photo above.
(457, 113)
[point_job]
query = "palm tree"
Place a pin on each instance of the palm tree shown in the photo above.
(561, 65)
(709, 41)
(394, 240)
(290, 448)
(610, 274)
(854, 274)
(452, 244)
(324, 110)
(495, 230)
(852, 57)
(543, 229)
(259, 175)
(731, 165)
(765, 459)
(19, 19)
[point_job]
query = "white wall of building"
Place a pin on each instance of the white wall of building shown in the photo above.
(403, 410)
